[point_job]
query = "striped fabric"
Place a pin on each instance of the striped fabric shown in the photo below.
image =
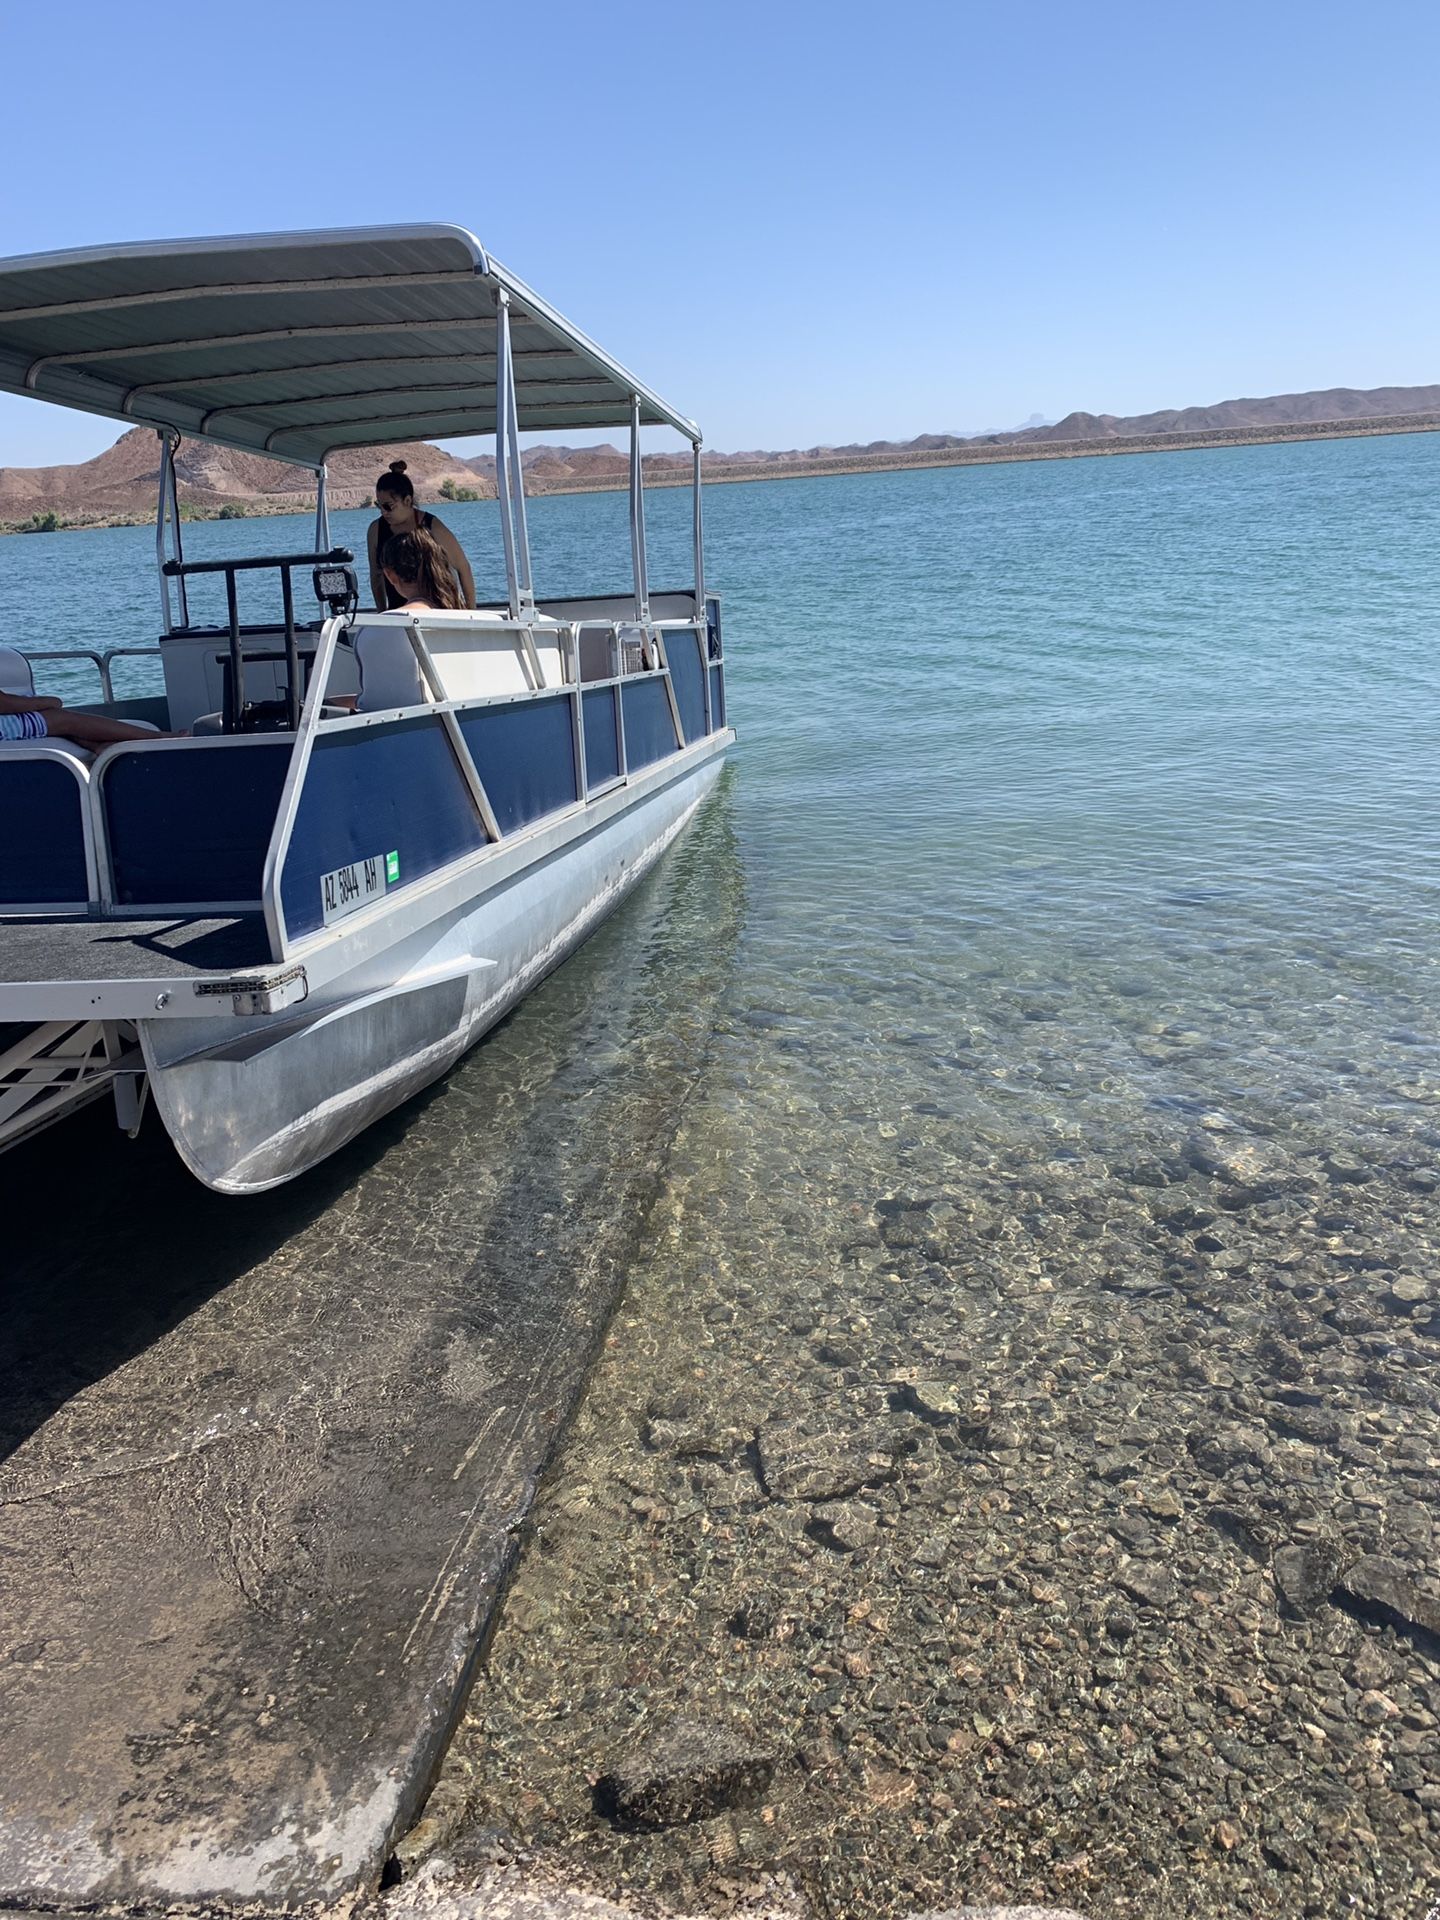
(22, 726)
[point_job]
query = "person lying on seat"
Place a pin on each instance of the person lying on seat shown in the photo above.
(31, 716)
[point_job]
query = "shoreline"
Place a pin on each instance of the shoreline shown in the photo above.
(974, 454)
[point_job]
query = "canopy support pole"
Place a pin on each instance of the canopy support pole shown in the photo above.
(322, 511)
(517, 485)
(509, 477)
(161, 546)
(698, 520)
(702, 616)
(637, 518)
(169, 544)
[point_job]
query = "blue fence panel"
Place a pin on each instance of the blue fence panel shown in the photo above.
(687, 676)
(525, 754)
(717, 696)
(393, 789)
(649, 732)
(190, 825)
(44, 861)
(602, 746)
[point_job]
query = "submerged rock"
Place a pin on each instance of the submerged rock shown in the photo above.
(1150, 1586)
(797, 1463)
(845, 1527)
(1305, 1574)
(943, 1403)
(1380, 1588)
(1001, 1913)
(696, 1439)
(690, 1770)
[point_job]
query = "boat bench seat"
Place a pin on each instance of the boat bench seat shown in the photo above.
(189, 824)
(472, 664)
(44, 800)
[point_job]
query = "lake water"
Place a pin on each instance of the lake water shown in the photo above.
(1043, 1284)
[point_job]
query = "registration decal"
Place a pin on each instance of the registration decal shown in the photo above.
(349, 888)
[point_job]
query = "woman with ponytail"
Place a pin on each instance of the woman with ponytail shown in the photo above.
(395, 503)
(418, 579)
(418, 574)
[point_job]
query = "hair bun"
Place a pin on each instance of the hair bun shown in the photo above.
(397, 466)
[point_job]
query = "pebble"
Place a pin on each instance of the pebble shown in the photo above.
(1374, 1708)
(1410, 1288)
(1151, 1586)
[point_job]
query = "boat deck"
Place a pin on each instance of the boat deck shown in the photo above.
(38, 949)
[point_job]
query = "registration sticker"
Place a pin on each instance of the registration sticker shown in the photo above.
(348, 889)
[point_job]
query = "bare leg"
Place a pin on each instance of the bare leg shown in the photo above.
(94, 730)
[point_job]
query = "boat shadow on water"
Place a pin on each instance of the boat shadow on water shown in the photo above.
(113, 1244)
(283, 1450)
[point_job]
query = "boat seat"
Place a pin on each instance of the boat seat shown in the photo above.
(389, 671)
(16, 673)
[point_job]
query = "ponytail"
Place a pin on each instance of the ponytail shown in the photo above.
(419, 560)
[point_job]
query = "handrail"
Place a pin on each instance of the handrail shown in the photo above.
(279, 847)
(122, 653)
(337, 556)
(282, 564)
(99, 660)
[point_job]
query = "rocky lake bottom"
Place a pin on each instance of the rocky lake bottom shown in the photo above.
(1009, 1478)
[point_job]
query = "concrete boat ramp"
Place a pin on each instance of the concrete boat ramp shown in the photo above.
(264, 1463)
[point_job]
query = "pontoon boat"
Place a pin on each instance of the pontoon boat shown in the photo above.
(288, 921)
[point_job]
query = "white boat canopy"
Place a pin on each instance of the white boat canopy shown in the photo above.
(296, 345)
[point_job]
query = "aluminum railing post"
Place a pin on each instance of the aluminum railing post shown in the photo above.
(698, 535)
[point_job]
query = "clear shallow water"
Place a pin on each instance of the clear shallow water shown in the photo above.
(1052, 1243)
(1066, 1157)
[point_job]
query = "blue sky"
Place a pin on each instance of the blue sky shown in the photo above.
(802, 223)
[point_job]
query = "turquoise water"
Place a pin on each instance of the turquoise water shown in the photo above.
(1076, 1070)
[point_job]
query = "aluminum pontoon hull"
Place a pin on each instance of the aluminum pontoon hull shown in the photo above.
(250, 1113)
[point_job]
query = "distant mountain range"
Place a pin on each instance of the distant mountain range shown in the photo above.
(119, 485)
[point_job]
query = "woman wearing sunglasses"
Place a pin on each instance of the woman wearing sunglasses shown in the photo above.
(395, 503)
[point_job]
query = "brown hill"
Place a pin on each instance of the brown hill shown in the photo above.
(1278, 410)
(120, 483)
(123, 480)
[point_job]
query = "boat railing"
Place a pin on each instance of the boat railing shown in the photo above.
(479, 753)
(99, 658)
(543, 743)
